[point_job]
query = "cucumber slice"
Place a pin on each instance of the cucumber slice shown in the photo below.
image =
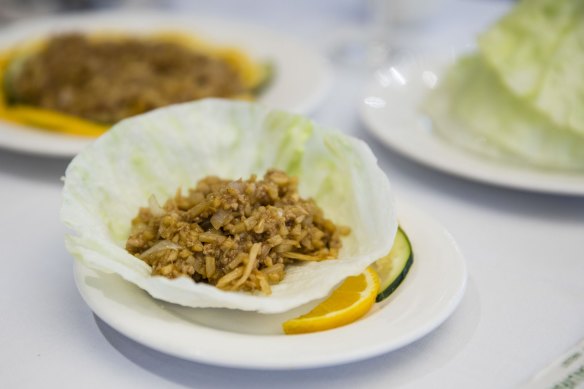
(393, 268)
(11, 71)
(270, 72)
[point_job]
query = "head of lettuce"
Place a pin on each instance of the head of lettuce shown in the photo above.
(171, 148)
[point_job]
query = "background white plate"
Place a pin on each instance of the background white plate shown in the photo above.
(251, 340)
(301, 80)
(390, 111)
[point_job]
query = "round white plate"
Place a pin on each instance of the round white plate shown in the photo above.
(390, 111)
(301, 79)
(250, 340)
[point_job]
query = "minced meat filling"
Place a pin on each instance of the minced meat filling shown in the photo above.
(236, 235)
(106, 81)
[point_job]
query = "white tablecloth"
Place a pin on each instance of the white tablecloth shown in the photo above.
(525, 253)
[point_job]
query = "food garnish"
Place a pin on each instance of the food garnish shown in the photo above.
(234, 234)
(394, 267)
(356, 295)
(348, 303)
(519, 97)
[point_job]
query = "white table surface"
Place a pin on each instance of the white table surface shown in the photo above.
(525, 253)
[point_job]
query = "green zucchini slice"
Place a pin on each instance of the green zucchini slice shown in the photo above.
(393, 268)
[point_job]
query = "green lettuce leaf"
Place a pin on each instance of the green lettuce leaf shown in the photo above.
(472, 108)
(538, 51)
(170, 148)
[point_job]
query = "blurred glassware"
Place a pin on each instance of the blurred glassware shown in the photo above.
(376, 41)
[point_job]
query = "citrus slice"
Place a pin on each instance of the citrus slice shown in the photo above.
(349, 302)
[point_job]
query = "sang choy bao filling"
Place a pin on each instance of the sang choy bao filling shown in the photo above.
(236, 235)
(107, 80)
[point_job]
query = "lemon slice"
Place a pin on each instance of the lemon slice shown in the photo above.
(349, 302)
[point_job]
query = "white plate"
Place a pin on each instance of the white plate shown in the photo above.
(302, 76)
(250, 340)
(389, 109)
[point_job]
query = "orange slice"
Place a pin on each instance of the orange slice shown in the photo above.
(349, 302)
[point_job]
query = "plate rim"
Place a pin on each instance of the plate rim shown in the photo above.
(53, 144)
(290, 343)
(489, 172)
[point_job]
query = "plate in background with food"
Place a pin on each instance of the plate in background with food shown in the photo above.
(498, 115)
(289, 243)
(67, 79)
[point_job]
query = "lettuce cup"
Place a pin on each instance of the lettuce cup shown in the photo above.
(163, 153)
